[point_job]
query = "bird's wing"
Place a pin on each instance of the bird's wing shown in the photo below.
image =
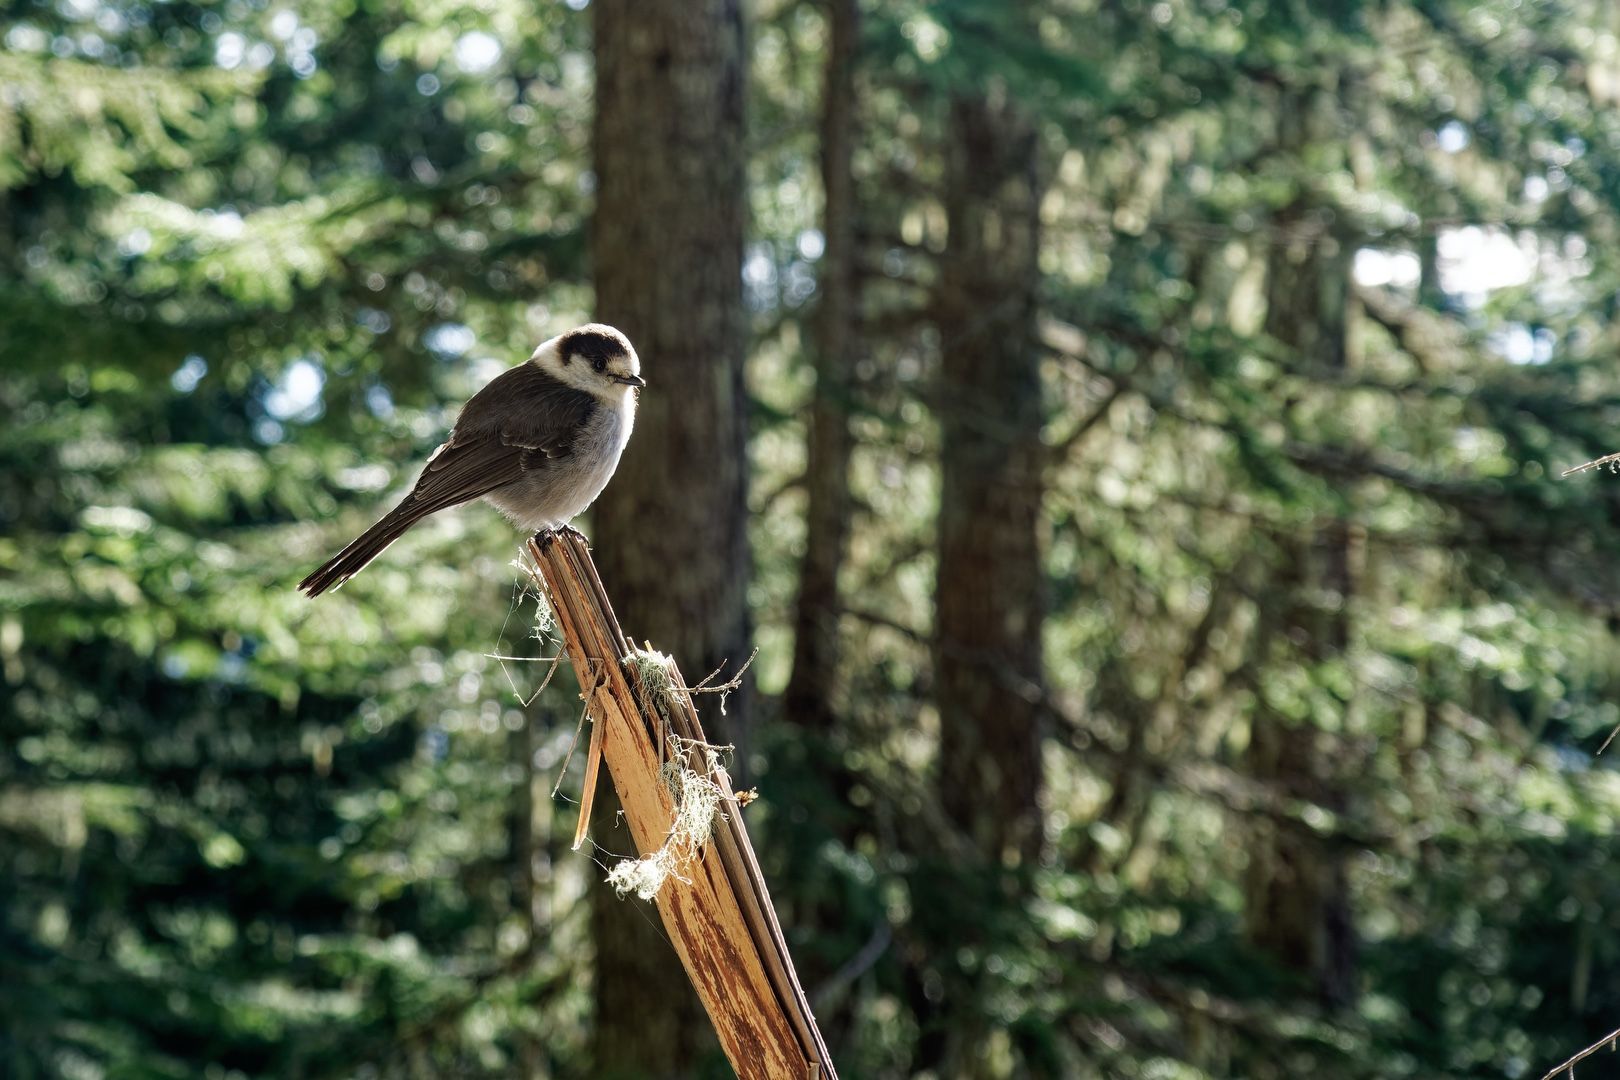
(519, 423)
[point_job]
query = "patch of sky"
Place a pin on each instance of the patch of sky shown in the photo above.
(1378, 268)
(379, 401)
(189, 374)
(1453, 137)
(449, 340)
(1521, 345)
(476, 52)
(297, 395)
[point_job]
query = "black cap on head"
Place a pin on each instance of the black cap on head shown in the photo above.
(594, 344)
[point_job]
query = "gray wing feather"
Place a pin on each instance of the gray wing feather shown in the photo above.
(519, 423)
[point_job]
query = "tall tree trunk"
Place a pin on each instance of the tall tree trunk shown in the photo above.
(815, 617)
(990, 590)
(815, 757)
(989, 595)
(1297, 896)
(1297, 900)
(670, 531)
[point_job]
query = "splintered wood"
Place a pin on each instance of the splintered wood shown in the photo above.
(716, 910)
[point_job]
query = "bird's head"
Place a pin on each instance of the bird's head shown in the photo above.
(594, 358)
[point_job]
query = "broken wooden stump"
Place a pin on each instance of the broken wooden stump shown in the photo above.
(714, 906)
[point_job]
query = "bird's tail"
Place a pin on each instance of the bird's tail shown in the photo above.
(365, 547)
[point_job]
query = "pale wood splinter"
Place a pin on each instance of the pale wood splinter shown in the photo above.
(718, 914)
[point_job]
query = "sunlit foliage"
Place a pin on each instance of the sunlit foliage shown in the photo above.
(253, 252)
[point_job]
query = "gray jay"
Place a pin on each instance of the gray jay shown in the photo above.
(540, 442)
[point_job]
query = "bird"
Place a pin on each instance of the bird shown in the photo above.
(540, 442)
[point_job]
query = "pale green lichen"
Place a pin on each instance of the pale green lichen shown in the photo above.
(656, 672)
(545, 621)
(697, 799)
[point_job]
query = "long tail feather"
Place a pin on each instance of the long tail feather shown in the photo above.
(365, 547)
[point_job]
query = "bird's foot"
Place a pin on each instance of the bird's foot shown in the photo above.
(547, 536)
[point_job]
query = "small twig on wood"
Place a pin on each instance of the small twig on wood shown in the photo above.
(724, 688)
(555, 661)
(542, 622)
(573, 744)
(1611, 1040)
(593, 760)
(1611, 460)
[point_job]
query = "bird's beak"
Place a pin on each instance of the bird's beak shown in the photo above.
(631, 380)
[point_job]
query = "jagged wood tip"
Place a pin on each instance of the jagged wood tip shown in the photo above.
(716, 907)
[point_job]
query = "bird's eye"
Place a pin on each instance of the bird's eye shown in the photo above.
(600, 364)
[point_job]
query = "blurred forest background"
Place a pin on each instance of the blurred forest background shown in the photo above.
(1130, 430)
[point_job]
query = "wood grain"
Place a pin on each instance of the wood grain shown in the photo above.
(721, 920)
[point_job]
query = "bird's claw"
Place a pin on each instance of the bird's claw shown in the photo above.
(547, 536)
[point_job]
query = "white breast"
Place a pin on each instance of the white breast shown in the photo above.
(555, 495)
